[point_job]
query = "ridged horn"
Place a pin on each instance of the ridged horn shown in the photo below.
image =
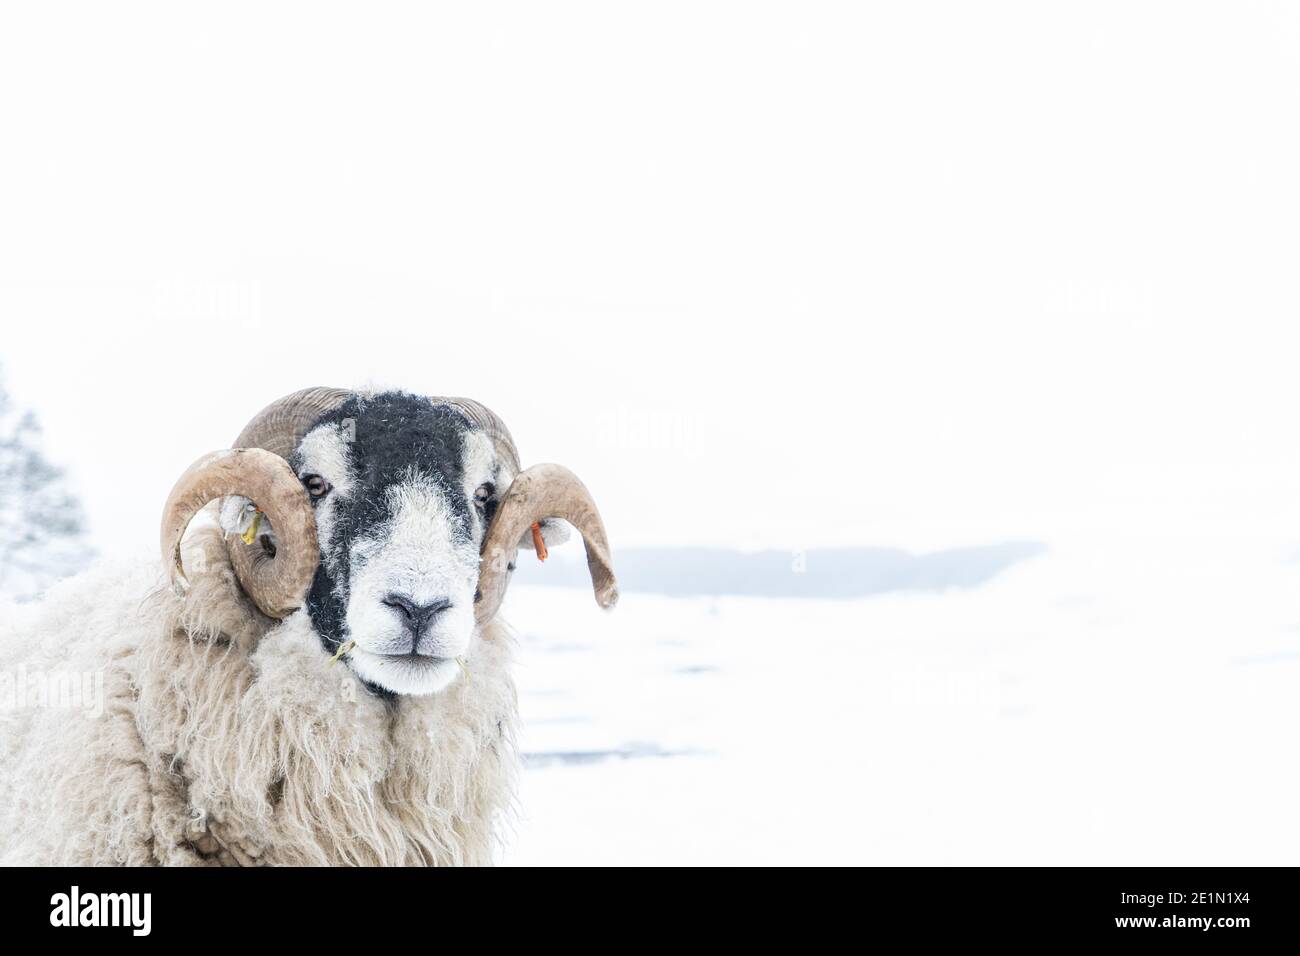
(542, 491)
(277, 585)
(490, 424)
(278, 428)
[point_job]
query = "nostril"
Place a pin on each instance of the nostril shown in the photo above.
(416, 616)
(437, 607)
(402, 605)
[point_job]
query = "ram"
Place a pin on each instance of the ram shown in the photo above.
(317, 675)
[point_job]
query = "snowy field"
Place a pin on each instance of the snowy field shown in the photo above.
(1092, 705)
(999, 297)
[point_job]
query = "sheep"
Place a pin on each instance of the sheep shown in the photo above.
(317, 675)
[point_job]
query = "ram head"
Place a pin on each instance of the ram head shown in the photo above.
(392, 519)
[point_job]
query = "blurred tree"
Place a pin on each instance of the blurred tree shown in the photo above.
(41, 524)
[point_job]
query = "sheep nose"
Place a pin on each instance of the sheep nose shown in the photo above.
(416, 617)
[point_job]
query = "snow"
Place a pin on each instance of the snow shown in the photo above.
(1094, 705)
(899, 277)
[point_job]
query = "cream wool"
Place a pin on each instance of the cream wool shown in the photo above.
(227, 738)
(389, 524)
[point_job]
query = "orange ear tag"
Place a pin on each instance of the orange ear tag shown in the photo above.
(539, 545)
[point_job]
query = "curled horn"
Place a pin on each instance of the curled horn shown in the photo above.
(257, 469)
(491, 425)
(276, 585)
(542, 491)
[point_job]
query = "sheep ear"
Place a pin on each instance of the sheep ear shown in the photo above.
(240, 518)
(555, 532)
(236, 514)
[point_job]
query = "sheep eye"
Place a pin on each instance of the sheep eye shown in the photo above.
(483, 494)
(317, 486)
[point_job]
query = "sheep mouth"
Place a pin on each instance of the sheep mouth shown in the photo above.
(411, 657)
(406, 673)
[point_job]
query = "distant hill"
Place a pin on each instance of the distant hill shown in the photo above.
(826, 573)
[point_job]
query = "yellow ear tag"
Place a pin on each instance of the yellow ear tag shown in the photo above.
(249, 536)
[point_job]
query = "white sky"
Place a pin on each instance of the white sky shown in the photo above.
(896, 274)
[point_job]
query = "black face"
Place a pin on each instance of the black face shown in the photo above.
(382, 443)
